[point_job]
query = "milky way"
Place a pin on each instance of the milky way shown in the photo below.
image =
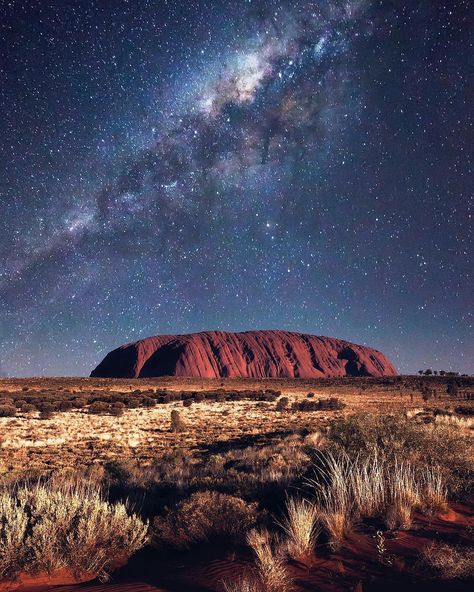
(174, 167)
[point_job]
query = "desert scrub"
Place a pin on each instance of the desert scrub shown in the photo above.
(449, 562)
(49, 526)
(403, 438)
(205, 515)
(373, 486)
(7, 411)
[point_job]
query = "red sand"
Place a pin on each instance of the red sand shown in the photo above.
(357, 567)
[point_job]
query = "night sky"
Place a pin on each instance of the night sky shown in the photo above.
(176, 166)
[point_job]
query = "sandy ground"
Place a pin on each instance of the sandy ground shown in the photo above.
(77, 437)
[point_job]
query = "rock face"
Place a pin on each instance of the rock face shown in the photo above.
(251, 354)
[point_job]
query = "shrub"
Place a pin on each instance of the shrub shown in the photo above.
(28, 408)
(282, 404)
(331, 404)
(46, 414)
(65, 406)
(464, 410)
(7, 411)
(79, 403)
(133, 402)
(449, 562)
(98, 408)
(118, 409)
(18, 403)
(203, 516)
(148, 402)
(47, 526)
(177, 423)
(245, 584)
(187, 402)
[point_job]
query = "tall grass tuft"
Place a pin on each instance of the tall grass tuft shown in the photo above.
(302, 527)
(373, 487)
(270, 561)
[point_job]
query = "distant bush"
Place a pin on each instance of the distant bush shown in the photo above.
(116, 411)
(187, 402)
(205, 515)
(18, 403)
(28, 408)
(79, 403)
(99, 408)
(46, 406)
(331, 404)
(282, 404)
(464, 410)
(7, 411)
(148, 402)
(65, 406)
(133, 402)
(119, 405)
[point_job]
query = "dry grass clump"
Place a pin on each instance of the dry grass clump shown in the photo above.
(403, 438)
(270, 561)
(449, 562)
(373, 487)
(301, 527)
(49, 526)
(244, 584)
(205, 515)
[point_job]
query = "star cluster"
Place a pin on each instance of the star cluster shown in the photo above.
(180, 166)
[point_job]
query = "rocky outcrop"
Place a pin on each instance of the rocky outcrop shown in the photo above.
(251, 354)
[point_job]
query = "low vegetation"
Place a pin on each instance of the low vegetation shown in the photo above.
(50, 526)
(298, 475)
(205, 516)
(448, 561)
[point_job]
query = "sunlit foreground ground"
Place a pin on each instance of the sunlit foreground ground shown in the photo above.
(237, 485)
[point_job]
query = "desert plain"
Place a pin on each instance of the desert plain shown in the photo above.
(241, 485)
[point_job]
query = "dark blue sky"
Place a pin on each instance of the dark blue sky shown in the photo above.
(180, 166)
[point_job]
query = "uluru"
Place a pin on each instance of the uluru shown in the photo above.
(249, 354)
